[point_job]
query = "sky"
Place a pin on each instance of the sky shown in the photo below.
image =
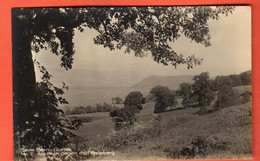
(230, 53)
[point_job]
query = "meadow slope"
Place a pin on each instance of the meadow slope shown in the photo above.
(175, 134)
(224, 134)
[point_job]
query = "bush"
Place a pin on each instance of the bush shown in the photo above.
(134, 135)
(125, 137)
(200, 146)
(246, 97)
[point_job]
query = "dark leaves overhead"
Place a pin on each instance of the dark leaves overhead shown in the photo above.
(143, 30)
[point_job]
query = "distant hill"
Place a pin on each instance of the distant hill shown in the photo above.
(171, 82)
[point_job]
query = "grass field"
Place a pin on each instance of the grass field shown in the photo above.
(224, 134)
(102, 123)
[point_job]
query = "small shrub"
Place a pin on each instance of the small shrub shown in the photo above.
(200, 146)
(246, 97)
(125, 136)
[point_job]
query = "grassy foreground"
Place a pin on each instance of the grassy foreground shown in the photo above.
(182, 134)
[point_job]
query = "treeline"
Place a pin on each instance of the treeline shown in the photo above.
(201, 93)
(218, 92)
(105, 107)
(204, 92)
(233, 80)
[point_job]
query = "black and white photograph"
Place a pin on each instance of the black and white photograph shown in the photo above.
(132, 83)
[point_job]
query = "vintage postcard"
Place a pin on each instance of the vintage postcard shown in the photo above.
(140, 83)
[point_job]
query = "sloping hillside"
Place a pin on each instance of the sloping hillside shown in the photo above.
(225, 134)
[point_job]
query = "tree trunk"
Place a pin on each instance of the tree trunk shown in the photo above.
(23, 69)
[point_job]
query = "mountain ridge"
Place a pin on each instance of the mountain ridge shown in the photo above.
(172, 82)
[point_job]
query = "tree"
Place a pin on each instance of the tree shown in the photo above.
(236, 80)
(246, 77)
(164, 98)
(202, 89)
(79, 110)
(134, 100)
(212, 84)
(139, 29)
(123, 117)
(186, 92)
(118, 100)
(106, 107)
(99, 107)
(227, 97)
(222, 81)
(90, 109)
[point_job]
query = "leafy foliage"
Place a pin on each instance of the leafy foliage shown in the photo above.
(202, 89)
(140, 29)
(186, 92)
(246, 77)
(134, 100)
(164, 98)
(41, 122)
(200, 146)
(123, 117)
(222, 81)
(103, 108)
(247, 96)
(118, 100)
(236, 80)
(226, 95)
